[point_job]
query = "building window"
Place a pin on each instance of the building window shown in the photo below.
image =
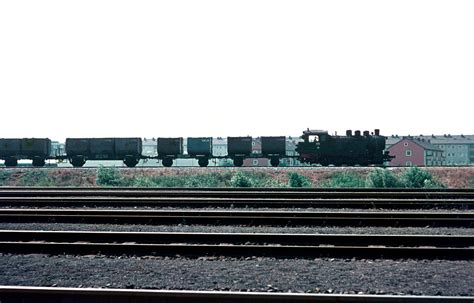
(405, 144)
(408, 153)
(255, 162)
(408, 163)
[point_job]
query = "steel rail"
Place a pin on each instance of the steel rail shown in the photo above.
(238, 245)
(385, 203)
(246, 189)
(224, 193)
(23, 294)
(281, 218)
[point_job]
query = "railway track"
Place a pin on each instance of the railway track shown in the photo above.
(20, 294)
(193, 245)
(238, 244)
(215, 197)
(199, 202)
(232, 217)
(287, 193)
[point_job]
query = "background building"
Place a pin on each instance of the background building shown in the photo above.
(458, 149)
(416, 152)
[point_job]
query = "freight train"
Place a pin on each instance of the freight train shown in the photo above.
(316, 147)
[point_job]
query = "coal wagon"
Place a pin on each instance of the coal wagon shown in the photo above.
(79, 150)
(36, 149)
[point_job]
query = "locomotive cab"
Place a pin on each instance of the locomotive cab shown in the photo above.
(315, 136)
(314, 141)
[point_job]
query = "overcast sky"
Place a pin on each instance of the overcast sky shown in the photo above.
(219, 68)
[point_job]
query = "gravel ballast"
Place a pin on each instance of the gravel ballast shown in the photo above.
(254, 209)
(238, 229)
(452, 278)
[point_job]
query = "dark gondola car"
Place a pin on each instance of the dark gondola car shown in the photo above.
(79, 150)
(36, 149)
(169, 149)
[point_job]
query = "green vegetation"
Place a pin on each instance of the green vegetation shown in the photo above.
(113, 177)
(36, 177)
(4, 176)
(344, 179)
(382, 178)
(419, 178)
(241, 180)
(109, 177)
(297, 180)
(413, 177)
(254, 179)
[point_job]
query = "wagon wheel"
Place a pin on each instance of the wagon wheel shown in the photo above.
(275, 162)
(238, 162)
(131, 161)
(11, 162)
(38, 162)
(78, 161)
(167, 162)
(203, 162)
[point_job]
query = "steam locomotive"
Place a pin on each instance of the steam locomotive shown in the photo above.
(316, 147)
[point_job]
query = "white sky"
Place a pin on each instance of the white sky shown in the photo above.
(218, 68)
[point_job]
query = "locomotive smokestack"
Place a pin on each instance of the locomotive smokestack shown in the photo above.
(377, 132)
(366, 133)
(349, 133)
(357, 133)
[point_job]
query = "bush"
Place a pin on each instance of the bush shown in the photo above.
(297, 180)
(143, 181)
(415, 177)
(270, 182)
(261, 179)
(5, 177)
(36, 178)
(382, 178)
(344, 179)
(208, 180)
(109, 177)
(241, 180)
(169, 181)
